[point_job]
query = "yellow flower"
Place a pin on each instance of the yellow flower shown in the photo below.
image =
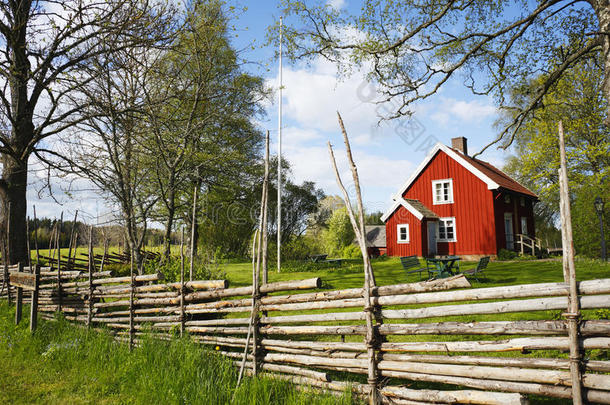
(217, 347)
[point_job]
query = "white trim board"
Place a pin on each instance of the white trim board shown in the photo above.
(491, 185)
(398, 201)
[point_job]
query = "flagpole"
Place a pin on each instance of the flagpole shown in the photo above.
(279, 162)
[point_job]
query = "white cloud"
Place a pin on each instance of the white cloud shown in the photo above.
(336, 4)
(449, 109)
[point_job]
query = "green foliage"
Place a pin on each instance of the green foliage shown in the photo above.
(504, 254)
(62, 363)
(578, 101)
(351, 251)
(340, 233)
(400, 45)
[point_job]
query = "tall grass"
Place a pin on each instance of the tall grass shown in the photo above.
(63, 363)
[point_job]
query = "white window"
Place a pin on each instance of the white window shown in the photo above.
(442, 191)
(402, 233)
(446, 230)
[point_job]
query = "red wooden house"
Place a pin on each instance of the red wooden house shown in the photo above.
(454, 204)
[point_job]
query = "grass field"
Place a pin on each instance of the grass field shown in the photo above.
(389, 271)
(62, 363)
(65, 364)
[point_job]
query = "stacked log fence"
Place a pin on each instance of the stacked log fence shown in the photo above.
(440, 341)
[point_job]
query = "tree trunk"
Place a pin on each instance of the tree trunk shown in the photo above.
(13, 186)
(169, 224)
(602, 10)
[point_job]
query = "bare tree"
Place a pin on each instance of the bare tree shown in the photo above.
(48, 48)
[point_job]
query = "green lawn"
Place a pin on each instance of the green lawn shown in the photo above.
(390, 271)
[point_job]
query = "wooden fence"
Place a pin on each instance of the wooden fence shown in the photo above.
(316, 338)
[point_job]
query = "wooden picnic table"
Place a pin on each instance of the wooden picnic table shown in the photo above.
(444, 266)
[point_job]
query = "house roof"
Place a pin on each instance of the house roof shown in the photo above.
(490, 175)
(497, 175)
(375, 235)
(415, 207)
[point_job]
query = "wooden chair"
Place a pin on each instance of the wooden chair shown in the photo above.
(409, 262)
(481, 266)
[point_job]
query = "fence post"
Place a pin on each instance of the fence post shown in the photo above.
(182, 284)
(90, 269)
(7, 280)
(573, 313)
(19, 298)
(34, 304)
(59, 290)
(131, 294)
(372, 331)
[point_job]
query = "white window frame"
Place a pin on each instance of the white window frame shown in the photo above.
(442, 181)
(438, 230)
(399, 227)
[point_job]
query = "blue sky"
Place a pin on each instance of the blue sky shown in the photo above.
(386, 155)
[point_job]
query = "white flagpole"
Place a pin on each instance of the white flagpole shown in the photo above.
(279, 163)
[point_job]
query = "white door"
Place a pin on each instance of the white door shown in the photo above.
(508, 231)
(431, 238)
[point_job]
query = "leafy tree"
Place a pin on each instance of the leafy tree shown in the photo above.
(578, 100)
(48, 50)
(411, 48)
(340, 232)
(202, 135)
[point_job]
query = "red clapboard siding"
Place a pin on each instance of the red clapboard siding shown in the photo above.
(414, 247)
(473, 209)
(517, 211)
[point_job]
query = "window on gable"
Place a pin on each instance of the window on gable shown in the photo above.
(446, 230)
(402, 233)
(442, 191)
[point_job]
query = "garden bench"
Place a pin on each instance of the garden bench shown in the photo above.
(318, 258)
(481, 266)
(410, 262)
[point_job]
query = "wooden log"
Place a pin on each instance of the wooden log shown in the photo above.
(559, 327)
(593, 396)
(569, 273)
(190, 285)
(280, 368)
(140, 278)
(517, 344)
(435, 285)
(527, 362)
(553, 377)
(461, 396)
(518, 291)
(539, 304)
(503, 307)
(266, 288)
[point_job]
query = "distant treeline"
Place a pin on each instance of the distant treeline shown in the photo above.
(42, 231)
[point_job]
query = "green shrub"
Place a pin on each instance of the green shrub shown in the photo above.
(351, 252)
(504, 254)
